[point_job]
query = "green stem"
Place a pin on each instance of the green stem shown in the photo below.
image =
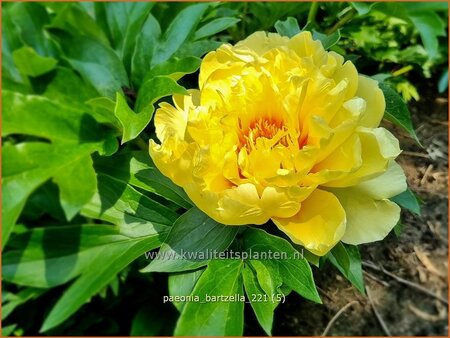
(313, 12)
(141, 143)
(346, 18)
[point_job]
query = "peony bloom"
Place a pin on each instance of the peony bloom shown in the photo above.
(282, 130)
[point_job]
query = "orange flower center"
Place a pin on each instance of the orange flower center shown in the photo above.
(266, 128)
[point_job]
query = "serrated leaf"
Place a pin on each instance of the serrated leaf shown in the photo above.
(288, 27)
(103, 268)
(219, 318)
(32, 64)
(347, 260)
(190, 243)
(397, 111)
(215, 26)
(182, 284)
(138, 169)
(408, 200)
(293, 268)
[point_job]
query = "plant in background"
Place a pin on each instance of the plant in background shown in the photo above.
(84, 206)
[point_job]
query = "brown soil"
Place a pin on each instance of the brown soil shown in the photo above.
(419, 255)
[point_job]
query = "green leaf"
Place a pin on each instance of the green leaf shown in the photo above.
(178, 32)
(398, 229)
(11, 301)
(182, 284)
(74, 193)
(121, 204)
(124, 20)
(11, 77)
(151, 91)
(361, 7)
(288, 27)
(347, 260)
(32, 64)
(138, 169)
(215, 26)
(263, 307)
(408, 200)
(97, 64)
(197, 48)
(193, 239)
(397, 111)
(102, 108)
(426, 6)
(218, 318)
(148, 321)
(175, 68)
(45, 200)
(51, 256)
(443, 82)
(146, 41)
(103, 267)
(327, 40)
(8, 330)
(67, 86)
(41, 117)
(430, 26)
(73, 18)
(30, 20)
(27, 165)
(293, 268)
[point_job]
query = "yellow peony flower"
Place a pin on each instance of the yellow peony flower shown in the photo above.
(281, 129)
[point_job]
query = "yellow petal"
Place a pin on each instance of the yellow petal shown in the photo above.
(368, 219)
(375, 104)
(237, 206)
(261, 42)
(319, 224)
(389, 184)
(378, 148)
(276, 203)
(170, 122)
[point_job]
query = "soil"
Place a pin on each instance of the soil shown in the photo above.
(419, 255)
